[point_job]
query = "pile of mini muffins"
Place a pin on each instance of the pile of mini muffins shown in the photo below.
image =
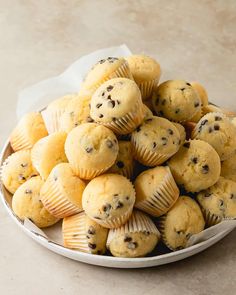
(126, 162)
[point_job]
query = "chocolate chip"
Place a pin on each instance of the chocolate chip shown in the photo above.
(120, 164)
(207, 195)
(55, 177)
(99, 252)
(148, 120)
(102, 61)
(24, 165)
(188, 84)
(97, 217)
(170, 131)
(111, 104)
(138, 129)
(109, 88)
(154, 144)
(221, 203)
(216, 127)
(98, 105)
(28, 191)
(90, 120)
(89, 149)
(88, 237)
(163, 102)
(132, 245)
(21, 177)
(210, 130)
(119, 205)
(204, 122)
(118, 102)
(146, 232)
(194, 160)
(103, 93)
(127, 198)
(127, 239)
(91, 230)
(217, 118)
(232, 196)
(182, 89)
(186, 144)
(205, 169)
(196, 104)
(100, 116)
(157, 101)
(115, 195)
(177, 111)
(92, 246)
(165, 140)
(179, 232)
(109, 144)
(109, 97)
(107, 207)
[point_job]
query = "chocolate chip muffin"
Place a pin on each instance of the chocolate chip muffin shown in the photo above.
(124, 163)
(196, 166)
(155, 141)
(83, 234)
(201, 91)
(182, 132)
(105, 69)
(146, 72)
(117, 104)
(28, 131)
(156, 191)
(26, 203)
(61, 193)
(77, 112)
(138, 237)
(16, 169)
(109, 199)
(182, 221)
(91, 149)
(176, 100)
(219, 132)
(218, 202)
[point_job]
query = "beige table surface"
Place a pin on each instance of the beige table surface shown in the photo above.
(194, 40)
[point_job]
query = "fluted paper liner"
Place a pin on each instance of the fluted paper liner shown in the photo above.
(129, 122)
(36, 154)
(20, 140)
(74, 235)
(55, 201)
(87, 174)
(147, 87)
(138, 222)
(162, 199)
(52, 120)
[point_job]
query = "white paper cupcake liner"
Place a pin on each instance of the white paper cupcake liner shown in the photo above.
(52, 120)
(36, 154)
(115, 222)
(19, 140)
(87, 174)
(147, 87)
(162, 199)
(138, 222)
(74, 234)
(129, 122)
(145, 157)
(55, 201)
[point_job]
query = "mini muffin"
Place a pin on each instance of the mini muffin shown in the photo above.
(91, 149)
(147, 112)
(117, 104)
(16, 169)
(28, 131)
(182, 132)
(155, 141)
(106, 69)
(211, 108)
(196, 166)
(146, 72)
(138, 237)
(156, 191)
(54, 111)
(77, 112)
(228, 168)
(176, 100)
(201, 91)
(109, 199)
(48, 152)
(62, 192)
(218, 202)
(182, 221)
(219, 132)
(124, 163)
(26, 203)
(83, 234)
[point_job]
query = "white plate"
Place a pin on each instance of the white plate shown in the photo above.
(107, 261)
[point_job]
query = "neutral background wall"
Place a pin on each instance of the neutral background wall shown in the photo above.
(193, 40)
